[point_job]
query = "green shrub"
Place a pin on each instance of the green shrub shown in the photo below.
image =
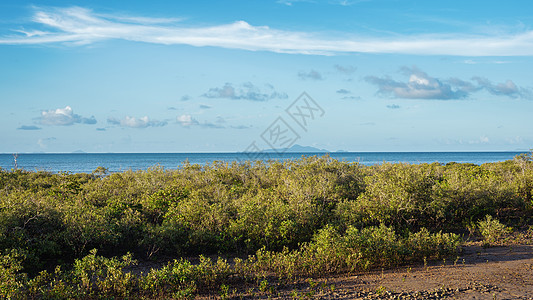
(492, 230)
(423, 244)
(57, 285)
(331, 252)
(97, 275)
(184, 278)
(394, 194)
(12, 280)
(469, 192)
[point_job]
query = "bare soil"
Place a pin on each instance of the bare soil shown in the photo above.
(502, 272)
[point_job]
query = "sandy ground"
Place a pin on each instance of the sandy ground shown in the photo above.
(478, 273)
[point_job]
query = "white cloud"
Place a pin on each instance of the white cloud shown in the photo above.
(419, 86)
(422, 86)
(134, 122)
(515, 140)
(80, 26)
(481, 140)
(186, 120)
(63, 117)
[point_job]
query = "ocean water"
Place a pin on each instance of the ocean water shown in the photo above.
(115, 162)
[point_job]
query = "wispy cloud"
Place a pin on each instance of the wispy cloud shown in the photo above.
(241, 126)
(29, 127)
(188, 121)
(475, 62)
(79, 26)
(313, 75)
(422, 86)
(43, 142)
(140, 20)
(332, 2)
(63, 117)
(245, 91)
(348, 70)
(134, 122)
(349, 2)
(291, 2)
(347, 95)
(481, 140)
(343, 91)
(211, 125)
(465, 86)
(508, 88)
(351, 98)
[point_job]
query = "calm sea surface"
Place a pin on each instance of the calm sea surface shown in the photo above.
(115, 162)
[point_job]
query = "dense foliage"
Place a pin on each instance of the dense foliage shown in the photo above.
(306, 217)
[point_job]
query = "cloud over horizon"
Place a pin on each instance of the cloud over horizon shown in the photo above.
(29, 127)
(422, 86)
(133, 122)
(314, 75)
(82, 26)
(63, 117)
(188, 121)
(245, 91)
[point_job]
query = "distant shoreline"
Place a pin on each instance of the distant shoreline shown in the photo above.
(270, 151)
(116, 162)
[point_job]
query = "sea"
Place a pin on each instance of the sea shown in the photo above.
(117, 162)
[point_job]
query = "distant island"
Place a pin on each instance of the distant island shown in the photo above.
(299, 149)
(79, 151)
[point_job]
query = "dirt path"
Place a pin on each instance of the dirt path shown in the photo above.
(478, 273)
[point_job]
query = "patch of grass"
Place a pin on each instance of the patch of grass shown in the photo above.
(492, 230)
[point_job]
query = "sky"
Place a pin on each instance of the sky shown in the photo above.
(230, 76)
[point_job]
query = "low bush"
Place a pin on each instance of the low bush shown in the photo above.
(492, 230)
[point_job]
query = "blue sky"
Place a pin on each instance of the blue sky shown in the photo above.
(216, 76)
